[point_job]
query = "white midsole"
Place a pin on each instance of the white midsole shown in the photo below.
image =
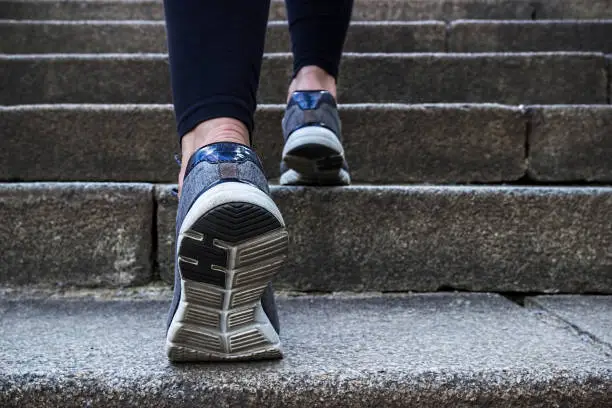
(291, 176)
(226, 193)
(313, 135)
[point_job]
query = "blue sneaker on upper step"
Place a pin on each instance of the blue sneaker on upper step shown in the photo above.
(313, 152)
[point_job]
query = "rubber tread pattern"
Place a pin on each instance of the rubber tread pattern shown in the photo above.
(232, 223)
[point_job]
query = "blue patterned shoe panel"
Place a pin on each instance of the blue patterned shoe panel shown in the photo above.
(311, 108)
(223, 152)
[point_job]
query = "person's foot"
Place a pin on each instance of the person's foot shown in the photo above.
(313, 152)
(231, 240)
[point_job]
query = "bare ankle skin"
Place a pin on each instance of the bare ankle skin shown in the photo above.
(312, 78)
(208, 132)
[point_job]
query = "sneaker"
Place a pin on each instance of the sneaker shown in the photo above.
(313, 152)
(231, 240)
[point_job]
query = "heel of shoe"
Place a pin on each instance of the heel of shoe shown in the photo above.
(313, 155)
(227, 255)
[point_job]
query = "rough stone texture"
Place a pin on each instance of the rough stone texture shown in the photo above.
(422, 36)
(76, 234)
(166, 233)
(591, 315)
(31, 37)
(571, 143)
(516, 239)
(88, 142)
(572, 9)
(23, 37)
(384, 143)
(527, 78)
(363, 10)
(436, 350)
(513, 36)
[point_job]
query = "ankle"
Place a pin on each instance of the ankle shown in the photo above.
(214, 131)
(209, 132)
(312, 78)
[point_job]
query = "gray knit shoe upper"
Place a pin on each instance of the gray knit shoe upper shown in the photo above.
(231, 240)
(313, 152)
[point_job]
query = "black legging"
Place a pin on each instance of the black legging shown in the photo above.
(216, 49)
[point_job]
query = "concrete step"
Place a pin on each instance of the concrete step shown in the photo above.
(363, 9)
(519, 36)
(384, 143)
(429, 350)
(375, 238)
(520, 78)
(30, 37)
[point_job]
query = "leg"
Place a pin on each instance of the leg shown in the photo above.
(313, 152)
(318, 30)
(230, 236)
(215, 50)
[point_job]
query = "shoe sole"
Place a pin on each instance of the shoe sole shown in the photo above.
(231, 243)
(314, 156)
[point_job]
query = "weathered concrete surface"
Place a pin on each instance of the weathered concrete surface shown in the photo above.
(41, 36)
(166, 233)
(76, 234)
(517, 36)
(589, 314)
(428, 350)
(384, 143)
(571, 143)
(363, 9)
(33, 37)
(527, 78)
(424, 238)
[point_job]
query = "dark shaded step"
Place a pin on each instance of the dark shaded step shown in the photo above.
(363, 10)
(527, 78)
(31, 37)
(25, 37)
(521, 36)
(384, 143)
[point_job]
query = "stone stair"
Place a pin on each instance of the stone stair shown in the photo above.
(469, 265)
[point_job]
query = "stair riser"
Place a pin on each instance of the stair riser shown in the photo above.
(407, 78)
(462, 36)
(150, 37)
(570, 143)
(363, 10)
(373, 238)
(384, 144)
(83, 234)
(429, 238)
(515, 36)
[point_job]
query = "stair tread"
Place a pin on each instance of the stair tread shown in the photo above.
(430, 349)
(42, 36)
